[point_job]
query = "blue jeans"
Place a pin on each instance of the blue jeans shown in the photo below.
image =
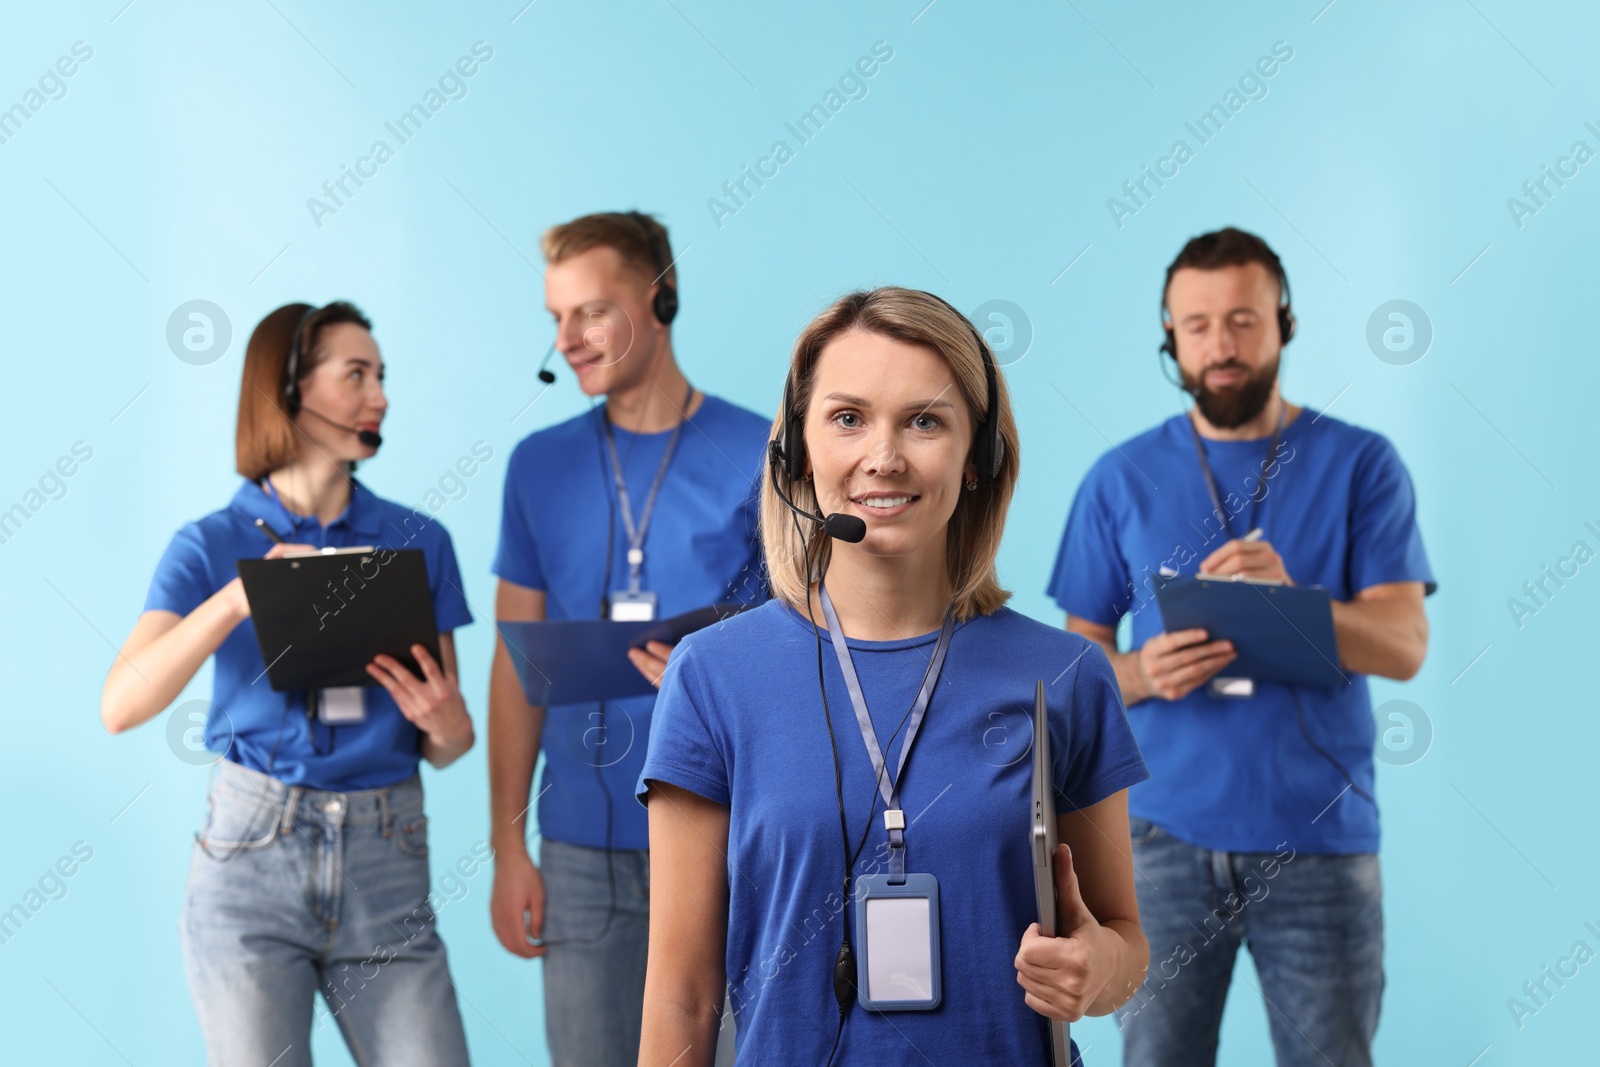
(594, 984)
(594, 974)
(293, 891)
(1314, 926)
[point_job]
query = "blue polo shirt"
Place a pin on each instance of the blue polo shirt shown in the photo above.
(268, 731)
(739, 722)
(1237, 774)
(702, 546)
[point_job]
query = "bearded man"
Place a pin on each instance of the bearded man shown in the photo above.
(1258, 825)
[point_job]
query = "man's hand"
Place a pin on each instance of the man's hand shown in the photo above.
(1173, 665)
(1248, 559)
(516, 903)
(651, 660)
(1063, 976)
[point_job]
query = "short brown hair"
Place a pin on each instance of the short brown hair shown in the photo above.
(973, 542)
(266, 438)
(629, 232)
(1227, 247)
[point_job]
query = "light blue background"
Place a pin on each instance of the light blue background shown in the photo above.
(177, 167)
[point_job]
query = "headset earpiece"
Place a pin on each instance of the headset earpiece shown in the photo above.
(788, 451)
(291, 366)
(1286, 321)
(665, 303)
(989, 448)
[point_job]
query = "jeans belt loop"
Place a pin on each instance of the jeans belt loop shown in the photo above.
(288, 809)
(385, 817)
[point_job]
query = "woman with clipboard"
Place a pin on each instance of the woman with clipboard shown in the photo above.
(853, 865)
(310, 872)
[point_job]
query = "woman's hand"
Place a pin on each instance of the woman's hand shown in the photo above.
(165, 650)
(232, 595)
(434, 704)
(1065, 976)
(233, 600)
(651, 660)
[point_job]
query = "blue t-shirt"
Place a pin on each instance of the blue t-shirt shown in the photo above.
(1227, 773)
(702, 546)
(739, 722)
(268, 731)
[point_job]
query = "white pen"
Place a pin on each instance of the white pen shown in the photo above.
(1253, 535)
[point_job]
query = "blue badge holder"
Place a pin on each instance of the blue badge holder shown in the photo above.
(897, 992)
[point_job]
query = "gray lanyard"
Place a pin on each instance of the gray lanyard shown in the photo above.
(1261, 486)
(893, 818)
(636, 533)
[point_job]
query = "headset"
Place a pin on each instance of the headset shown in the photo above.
(788, 452)
(665, 303)
(291, 368)
(291, 384)
(292, 405)
(1286, 321)
(1286, 327)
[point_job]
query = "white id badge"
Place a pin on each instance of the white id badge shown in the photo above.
(1236, 688)
(633, 607)
(343, 706)
(897, 967)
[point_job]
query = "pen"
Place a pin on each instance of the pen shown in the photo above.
(277, 538)
(1253, 535)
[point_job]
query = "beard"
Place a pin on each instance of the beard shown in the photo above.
(1232, 406)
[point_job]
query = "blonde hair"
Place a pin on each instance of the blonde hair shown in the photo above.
(625, 232)
(973, 542)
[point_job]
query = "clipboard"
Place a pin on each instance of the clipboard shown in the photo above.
(1042, 841)
(575, 661)
(321, 617)
(1282, 633)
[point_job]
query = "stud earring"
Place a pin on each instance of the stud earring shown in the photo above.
(972, 484)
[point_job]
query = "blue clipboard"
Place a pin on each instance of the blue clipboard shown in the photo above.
(1282, 633)
(575, 661)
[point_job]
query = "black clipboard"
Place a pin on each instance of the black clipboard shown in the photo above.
(574, 661)
(1282, 633)
(321, 617)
